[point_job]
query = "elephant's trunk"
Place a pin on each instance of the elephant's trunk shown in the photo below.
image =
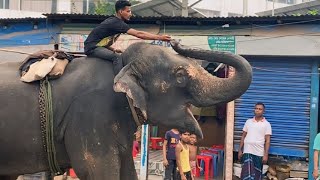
(207, 90)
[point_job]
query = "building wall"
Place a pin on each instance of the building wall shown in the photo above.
(63, 6)
(24, 38)
(232, 7)
(224, 7)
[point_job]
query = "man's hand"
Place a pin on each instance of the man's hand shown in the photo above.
(165, 162)
(315, 173)
(239, 155)
(265, 158)
(118, 50)
(165, 37)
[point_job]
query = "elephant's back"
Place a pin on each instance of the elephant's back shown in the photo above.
(9, 73)
(92, 72)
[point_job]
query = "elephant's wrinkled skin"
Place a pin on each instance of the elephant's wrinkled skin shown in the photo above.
(93, 124)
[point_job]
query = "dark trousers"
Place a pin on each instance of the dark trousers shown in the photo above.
(187, 174)
(171, 170)
(107, 54)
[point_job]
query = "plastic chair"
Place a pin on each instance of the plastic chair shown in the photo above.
(135, 149)
(214, 163)
(220, 146)
(207, 162)
(72, 173)
(220, 163)
(155, 143)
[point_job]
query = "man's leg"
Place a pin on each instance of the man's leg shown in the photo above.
(106, 54)
(188, 175)
(168, 170)
(247, 168)
(174, 171)
(258, 166)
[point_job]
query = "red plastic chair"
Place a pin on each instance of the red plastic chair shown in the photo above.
(135, 149)
(207, 163)
(72, 173)
(220, 146)
(155, 141)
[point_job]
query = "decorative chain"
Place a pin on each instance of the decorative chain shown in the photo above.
(46, 123)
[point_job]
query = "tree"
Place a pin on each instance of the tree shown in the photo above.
(310, 12)
(107, 8)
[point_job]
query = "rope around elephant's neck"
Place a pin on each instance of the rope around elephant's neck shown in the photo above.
(78, 54)
(15, 51)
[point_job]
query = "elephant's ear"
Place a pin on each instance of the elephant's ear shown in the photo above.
(127, 83)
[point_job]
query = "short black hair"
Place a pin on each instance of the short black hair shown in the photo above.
(121, 4)
(183, 130)
(260, 103)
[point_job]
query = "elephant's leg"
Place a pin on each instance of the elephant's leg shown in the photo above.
(92, 161)
(128, 171)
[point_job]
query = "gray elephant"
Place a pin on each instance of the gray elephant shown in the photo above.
(93, 124)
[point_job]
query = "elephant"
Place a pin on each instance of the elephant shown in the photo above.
(93, 124)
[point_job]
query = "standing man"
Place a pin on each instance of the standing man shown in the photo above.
(316, 148)
(171, 140)
(254, 144)
(100, 40)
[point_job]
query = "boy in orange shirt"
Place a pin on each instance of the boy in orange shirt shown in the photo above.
(193, 149)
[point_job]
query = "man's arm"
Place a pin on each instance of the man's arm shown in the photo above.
(316, 164)
(244, 134)
(266, 148)
(178, 161)
(148, 36)
(164, 152)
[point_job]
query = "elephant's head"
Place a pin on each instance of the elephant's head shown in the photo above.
(162, 85)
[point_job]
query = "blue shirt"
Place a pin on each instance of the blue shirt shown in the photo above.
(173, 140)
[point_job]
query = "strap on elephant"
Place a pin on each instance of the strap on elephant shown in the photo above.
(46, 117)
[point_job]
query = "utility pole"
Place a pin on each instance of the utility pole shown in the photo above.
(273, 7)
(87, 7)
(245, 8)
(19, 5)
(54, 6)
(184, 12)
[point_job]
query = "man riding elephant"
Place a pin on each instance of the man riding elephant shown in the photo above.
(93, 126)
(100, 40)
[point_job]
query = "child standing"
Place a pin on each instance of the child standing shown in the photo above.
(193, 154)
(172, 138)
(182, 155)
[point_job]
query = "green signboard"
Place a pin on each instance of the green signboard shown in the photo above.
(222, 43)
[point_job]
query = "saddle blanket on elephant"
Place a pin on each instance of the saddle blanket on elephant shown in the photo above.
(40, 64)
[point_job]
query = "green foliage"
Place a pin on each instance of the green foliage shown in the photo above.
(296, 14)
(133, 2)
(105, 8)
(313, 12)
(310, 12)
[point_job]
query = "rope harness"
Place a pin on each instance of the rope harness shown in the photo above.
(46, 123)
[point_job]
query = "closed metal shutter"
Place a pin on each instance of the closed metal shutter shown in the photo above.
(284, 87)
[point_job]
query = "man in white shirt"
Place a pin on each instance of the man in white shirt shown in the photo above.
(254, 144)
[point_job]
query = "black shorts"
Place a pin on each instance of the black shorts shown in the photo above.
(187, 174)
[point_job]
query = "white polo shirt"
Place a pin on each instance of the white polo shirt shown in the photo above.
(255, 139)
